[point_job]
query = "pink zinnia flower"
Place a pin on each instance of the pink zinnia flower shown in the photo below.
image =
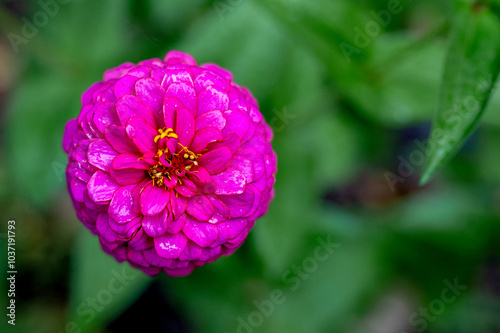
(170, 163)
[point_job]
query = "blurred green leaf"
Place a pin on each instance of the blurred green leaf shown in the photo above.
(471, 70)
(38, 110)
(101, 288)
(103, 40)
(406, 80)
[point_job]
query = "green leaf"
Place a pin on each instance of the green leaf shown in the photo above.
(471, 69)
(101, 288)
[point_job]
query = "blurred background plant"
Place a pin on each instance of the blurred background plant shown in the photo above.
(350, 88)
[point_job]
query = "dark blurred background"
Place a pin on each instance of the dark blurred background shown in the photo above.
(351, 243)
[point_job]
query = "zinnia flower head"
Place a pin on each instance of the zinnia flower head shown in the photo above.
(170, 163)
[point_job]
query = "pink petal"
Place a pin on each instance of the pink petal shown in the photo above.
(183, 92)
(216, 161)
(232, 142)
(257, 206)
(250, 133)
(237, 99)
(69, 132)
(239, 205)
(77, 187)
(180, 272)
(117, 72)
(236, 227)
(170, 246)
(255, 114)
(177, 264)
(270, 163)
(151, 95)
(223, 234)
(212, 98)
(85, 111)
(237, 123)
(101, 187)
(154, 226)
(125, 86)
(127, 230)
(176, 75)
(91, 204)
(127, 161)
(122, 205)
(142, 134)
(89, 127)
(258, 142)
(179, 204)
(141, 241)
(200, 208)
(169, 106)
(219, 70)
(229, 182)
(140, 71)
(203, 137)
(81, 157)
(136, 257)
(245, 166)
(202, 176)
(155, 62)
(221, 211)
(202, 233)
(128, 176)
(105, 115)
(211, 119)
(191, 252)
(257, 161)
(237, 241)
(78, 171)
(185, 57)
(118, 139)
(210, 254)
(104, 94)
(185, 126)
(208, 78)
(101, 154)
(104, 230)
(260, 184)
(87, 95)
(249, 97)
(153, 200)
(130, 106)
(176, 226)
(158, 74)
(187, 189)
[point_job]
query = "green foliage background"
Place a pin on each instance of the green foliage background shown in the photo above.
(346, 133)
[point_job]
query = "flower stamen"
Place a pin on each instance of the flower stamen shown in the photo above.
(165, 133)
(170, 164)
